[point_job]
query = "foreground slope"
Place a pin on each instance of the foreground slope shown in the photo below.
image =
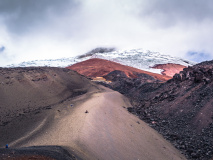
(106, 131)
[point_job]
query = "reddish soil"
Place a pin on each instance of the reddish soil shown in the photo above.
(96, 67)
(169, 69)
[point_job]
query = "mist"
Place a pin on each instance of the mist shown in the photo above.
(49, 29)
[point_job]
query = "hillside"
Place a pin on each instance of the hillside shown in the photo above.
(96, 67)
(54, 112)
(25, 89)
(181, 109)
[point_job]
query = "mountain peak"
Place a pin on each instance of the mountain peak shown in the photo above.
(137, 58)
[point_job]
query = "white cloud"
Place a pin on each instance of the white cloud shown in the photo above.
(54, 29)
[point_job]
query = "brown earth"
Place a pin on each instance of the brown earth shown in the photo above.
(47, 107)
(96, 67)
(169, 69)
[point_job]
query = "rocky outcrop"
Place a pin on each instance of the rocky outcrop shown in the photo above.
(97, 50)
(126, 85)
(198, 74)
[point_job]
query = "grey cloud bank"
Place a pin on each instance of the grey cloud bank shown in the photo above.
(40, 29)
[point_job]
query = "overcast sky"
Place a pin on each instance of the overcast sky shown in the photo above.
(45, 29)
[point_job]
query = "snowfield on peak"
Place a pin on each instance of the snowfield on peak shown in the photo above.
(140, 59)
(136, 58)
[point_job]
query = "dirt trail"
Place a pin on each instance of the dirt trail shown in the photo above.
(108, 131)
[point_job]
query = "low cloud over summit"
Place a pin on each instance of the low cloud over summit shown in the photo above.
(53, 29)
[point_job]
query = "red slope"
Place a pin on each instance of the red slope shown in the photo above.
(169, 69)
(96, 67)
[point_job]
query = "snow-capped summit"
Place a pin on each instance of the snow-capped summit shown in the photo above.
(141, 59)
(137, 58)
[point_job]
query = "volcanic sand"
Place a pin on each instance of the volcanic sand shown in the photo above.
(107, 131)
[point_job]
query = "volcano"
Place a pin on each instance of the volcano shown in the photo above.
(136, 58)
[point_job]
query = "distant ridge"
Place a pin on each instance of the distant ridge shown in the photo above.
(97, 67)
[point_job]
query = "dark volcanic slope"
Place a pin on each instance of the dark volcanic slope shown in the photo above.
(182, 109)
(96, 67)
(26, 89)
